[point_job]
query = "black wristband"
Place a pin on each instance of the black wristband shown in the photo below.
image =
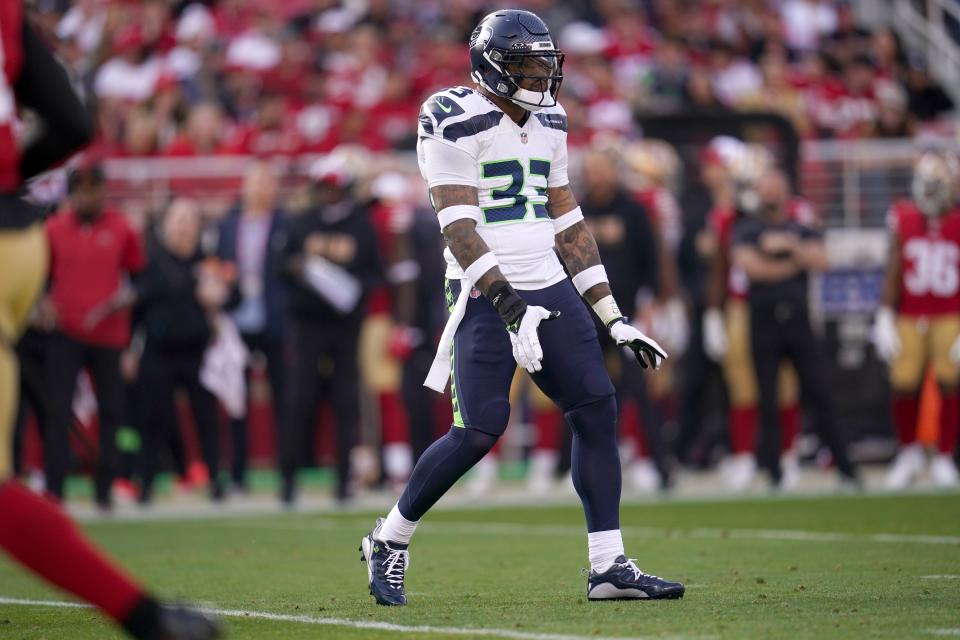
(507, 302)
(616, 320)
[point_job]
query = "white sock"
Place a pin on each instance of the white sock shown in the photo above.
(605, 547)
(396, 528)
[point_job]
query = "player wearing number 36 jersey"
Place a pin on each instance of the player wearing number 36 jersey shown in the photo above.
(494, 157)
(918, 324)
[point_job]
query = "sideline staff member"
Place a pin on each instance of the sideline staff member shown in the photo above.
(777, 253)
(93, 250)
(332, 263)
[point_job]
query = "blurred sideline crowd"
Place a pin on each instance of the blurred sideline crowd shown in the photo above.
(180, 78)
(291, 324)
(300, 336)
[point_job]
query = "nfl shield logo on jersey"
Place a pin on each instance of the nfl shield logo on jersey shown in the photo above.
(474, 293)
(523, 137)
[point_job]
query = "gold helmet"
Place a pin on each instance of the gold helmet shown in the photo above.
(934, 186)
(651, 163)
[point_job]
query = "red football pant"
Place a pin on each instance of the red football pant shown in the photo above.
(393, 418)
(743, 429)
(38, 534)
(906, 409)
(548, 423)
(949, 414)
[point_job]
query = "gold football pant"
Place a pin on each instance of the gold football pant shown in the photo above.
(379, 371)
(924, 342)
(23, 269)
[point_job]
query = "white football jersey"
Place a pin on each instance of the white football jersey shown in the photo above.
(511, 169)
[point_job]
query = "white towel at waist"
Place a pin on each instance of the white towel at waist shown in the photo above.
(439, 373)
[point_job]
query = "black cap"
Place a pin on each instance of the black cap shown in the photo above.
(91, 173)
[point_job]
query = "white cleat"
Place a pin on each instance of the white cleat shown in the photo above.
(397, 462)
(905, 467)
(543, 465)
(740, 472)
(483, 478)
(943, 471)
(789, 470)
(643, 476)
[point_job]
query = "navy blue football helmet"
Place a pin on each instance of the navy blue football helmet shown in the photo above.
(513, 56)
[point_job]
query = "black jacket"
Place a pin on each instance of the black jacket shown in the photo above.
(627, 246)
(167, 305)
(428, 246)
(347, 221)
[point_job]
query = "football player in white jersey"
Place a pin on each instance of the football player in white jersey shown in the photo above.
(495, 160)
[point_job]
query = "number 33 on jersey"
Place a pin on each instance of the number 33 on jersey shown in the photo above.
(465, 139)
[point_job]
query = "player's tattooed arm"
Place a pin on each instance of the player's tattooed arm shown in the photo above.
(461, 236)
(576, 245)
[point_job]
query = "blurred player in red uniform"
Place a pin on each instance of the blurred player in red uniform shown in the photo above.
(918, 323)
(386, 342)
(652, 169)
(727, 322)
(34, 531)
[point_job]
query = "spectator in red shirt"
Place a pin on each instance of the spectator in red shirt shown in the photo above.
(93, 250)
(202, 134)
(273, 131)
(141, 134)
(394, 118)
(443, 63)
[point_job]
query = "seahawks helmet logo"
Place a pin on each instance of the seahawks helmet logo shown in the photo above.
(483, 37)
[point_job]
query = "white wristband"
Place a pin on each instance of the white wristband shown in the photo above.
(567, 220)
(589, 277)
(480, 266)
(456, 212)
(607, 310)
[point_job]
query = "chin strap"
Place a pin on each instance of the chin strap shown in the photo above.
(529, 100)
(532, 100)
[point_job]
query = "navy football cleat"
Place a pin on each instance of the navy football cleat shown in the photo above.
(625, 581)
(387, 563)
(182, 622)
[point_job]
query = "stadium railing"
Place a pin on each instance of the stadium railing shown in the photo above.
(851, 183)
(932, 26)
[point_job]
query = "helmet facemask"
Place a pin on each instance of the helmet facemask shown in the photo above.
(529, 79)
(536, 76)
(746, 198)
(932, 186)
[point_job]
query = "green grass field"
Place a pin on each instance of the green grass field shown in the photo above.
(844, 567)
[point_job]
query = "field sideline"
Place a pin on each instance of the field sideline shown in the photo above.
(805, 567)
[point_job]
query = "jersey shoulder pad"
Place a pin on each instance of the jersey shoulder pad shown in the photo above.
(901, 216)
(457, 113)
(553, 117)
(905, 207)
(951, 225)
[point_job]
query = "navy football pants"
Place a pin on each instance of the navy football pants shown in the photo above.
(573, 376)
